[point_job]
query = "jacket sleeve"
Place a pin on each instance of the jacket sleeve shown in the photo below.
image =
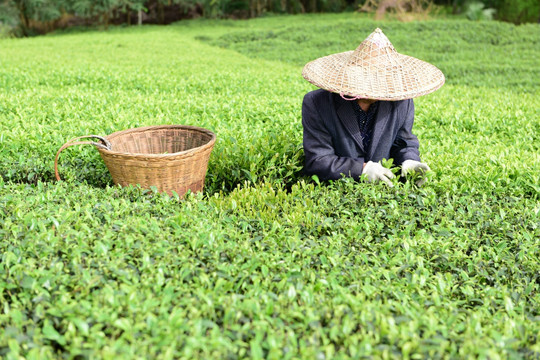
(320, 156)
(405, 146)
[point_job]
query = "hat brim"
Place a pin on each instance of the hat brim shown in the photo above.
(381, 77)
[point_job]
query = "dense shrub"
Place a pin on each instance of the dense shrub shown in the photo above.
(516, 11)
(30, 17)
(464, 51)
(267, 263)
(519, 11)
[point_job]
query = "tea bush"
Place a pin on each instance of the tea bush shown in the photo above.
(468, 53)
(267, 263)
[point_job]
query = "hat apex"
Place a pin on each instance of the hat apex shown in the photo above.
(378, 38)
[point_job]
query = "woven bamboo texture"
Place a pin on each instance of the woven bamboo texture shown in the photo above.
(375, 70)
(173, 158)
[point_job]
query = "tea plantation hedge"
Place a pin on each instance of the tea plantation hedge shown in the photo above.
(267, 263)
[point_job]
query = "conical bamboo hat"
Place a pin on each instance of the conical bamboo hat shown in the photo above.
(375, 70)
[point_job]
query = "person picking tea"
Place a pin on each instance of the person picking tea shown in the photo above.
(364, 112)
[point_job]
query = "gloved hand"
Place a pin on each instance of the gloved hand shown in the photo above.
(374, 171)
(413, 166)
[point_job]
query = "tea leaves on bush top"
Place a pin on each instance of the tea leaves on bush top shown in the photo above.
(266, 263)
(468, 53)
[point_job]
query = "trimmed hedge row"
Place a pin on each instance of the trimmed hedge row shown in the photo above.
(266, 263)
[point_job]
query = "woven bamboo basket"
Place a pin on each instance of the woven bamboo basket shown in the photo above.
(169, 157)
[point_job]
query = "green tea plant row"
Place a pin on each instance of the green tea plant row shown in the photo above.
(268, 273)
(266, 263)
(485, 54)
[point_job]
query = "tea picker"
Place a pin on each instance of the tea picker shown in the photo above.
(364, 112)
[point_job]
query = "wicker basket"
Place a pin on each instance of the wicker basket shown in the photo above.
(169, 157)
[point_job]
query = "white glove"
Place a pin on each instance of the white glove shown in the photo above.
(413, 166)
(374, 171)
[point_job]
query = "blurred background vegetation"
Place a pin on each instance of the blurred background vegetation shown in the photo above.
(33, 17)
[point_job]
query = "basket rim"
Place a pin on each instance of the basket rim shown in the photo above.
(197, 149)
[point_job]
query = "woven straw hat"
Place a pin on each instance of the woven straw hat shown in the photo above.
(375, 70)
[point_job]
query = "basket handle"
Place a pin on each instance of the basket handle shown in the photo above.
(106, 145)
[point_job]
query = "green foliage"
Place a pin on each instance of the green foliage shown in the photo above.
(43, 10)
(254, 8)
(464, 51)
(5, 31)
(90, 8)
(519, 11)
(8, 16)
(267, 263)
(29, 17)
(515, 11)
(24, 12)
(32, 17)
(477, 11)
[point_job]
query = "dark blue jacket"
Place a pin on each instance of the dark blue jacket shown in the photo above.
(332, 140)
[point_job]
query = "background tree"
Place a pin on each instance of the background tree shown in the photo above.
(30, 17)
(30, 12)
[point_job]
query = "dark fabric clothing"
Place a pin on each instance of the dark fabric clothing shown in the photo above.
(333, 145)
(365, 121)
